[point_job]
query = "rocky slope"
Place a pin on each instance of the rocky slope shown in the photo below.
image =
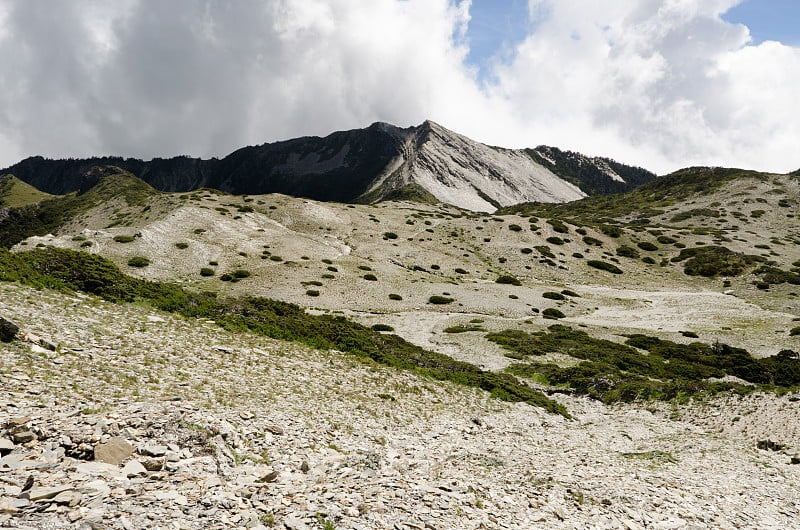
(364, 165)
(119, 417)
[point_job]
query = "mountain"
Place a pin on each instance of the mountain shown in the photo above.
(427, 162)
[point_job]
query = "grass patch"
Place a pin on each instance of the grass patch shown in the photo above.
(604, 266)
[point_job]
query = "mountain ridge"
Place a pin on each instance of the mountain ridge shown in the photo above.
(366, 165)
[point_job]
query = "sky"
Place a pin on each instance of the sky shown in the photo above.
(662, 84)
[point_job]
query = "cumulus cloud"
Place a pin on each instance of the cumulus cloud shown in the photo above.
(659, 83)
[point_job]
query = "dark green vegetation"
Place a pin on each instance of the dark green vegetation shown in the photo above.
(611, 372)
(552, 313)
(78, 271)
(604, 266)
(713, 261)
(462, 329)
(440, 300)
(138, 262)
(589, 177)
(101, 185)
(508, 280)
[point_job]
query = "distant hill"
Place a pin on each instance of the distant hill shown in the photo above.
(426, 162)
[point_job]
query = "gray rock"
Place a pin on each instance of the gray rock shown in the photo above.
(6, 446)
(154, 450)
(37, 494)
(8, 330)
(134, 468)
(115, 451)
(23, 437)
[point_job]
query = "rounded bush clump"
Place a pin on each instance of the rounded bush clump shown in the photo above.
(552, 313)
(370, 277)
(381, 327)
(627, 252)
(553, 295)
(508, 280)
(389, 235)
(440, 300)
(138, 262)
(123, 239)
(182, 245)
(205, 271)
(460, 271)
(312, 292)
(554, 240)
(604, 266)
(395, 296)
(646, 245)
(515, 228)
(241, 273)
(526, 250)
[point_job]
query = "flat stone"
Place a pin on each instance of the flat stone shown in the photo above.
(23, 437)
(37, 494)
(6, 445)
(115, 451)
(98, 468)
(153, 464)
(154, 450)
(134, 468)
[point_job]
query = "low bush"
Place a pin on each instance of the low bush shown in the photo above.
(460, 271)
(381, 327)
(389, 235)
(552, 313)
(182, 245)
(312, 292)
(370, 277)
(205, 271)
(558, 226)
(627, 252)
(526, 250)
(462, 329)
(395, 296)
(138, 262)
(508, 280)
(710, 261)
(604, 266)
(440, 300)
(515, 228)
(124, 239)
(553, 295)
(555, 240)
(592, 241)
(646, 245)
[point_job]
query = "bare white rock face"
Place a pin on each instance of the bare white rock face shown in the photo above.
(471, 175)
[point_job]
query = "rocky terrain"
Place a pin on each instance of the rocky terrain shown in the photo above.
(136, 419)
(117, 415)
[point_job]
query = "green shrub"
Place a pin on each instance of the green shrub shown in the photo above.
(333, 269)
(573, 294)
(554, 240)
(240, 273)
(86, 244)
(226, 277)
(213, 263)
(460, 271)
(648, 260)
(395, 296)
(526, 250)
(665, 240)
(389, 235)
(646, 245)
(515, 228)
(462, 329)
(276, 258)
(558, 226)
(370, 277)
(545, 251)
(610, 231)
(381, 327)
(552, 313)
(182, 245)
(364, 268)
(627, 252)
(604, 266)
(592, 242)
(205, 271)
(124, 239)
(710, 261)
(312, 292)
(138, 262)
(508, 280)
(794, 331)
(440, 300)
(553, 295)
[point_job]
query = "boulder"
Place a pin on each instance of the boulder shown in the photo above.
(8, 330)
(115, 451)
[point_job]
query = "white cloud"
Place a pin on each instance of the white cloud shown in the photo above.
(660, 83)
